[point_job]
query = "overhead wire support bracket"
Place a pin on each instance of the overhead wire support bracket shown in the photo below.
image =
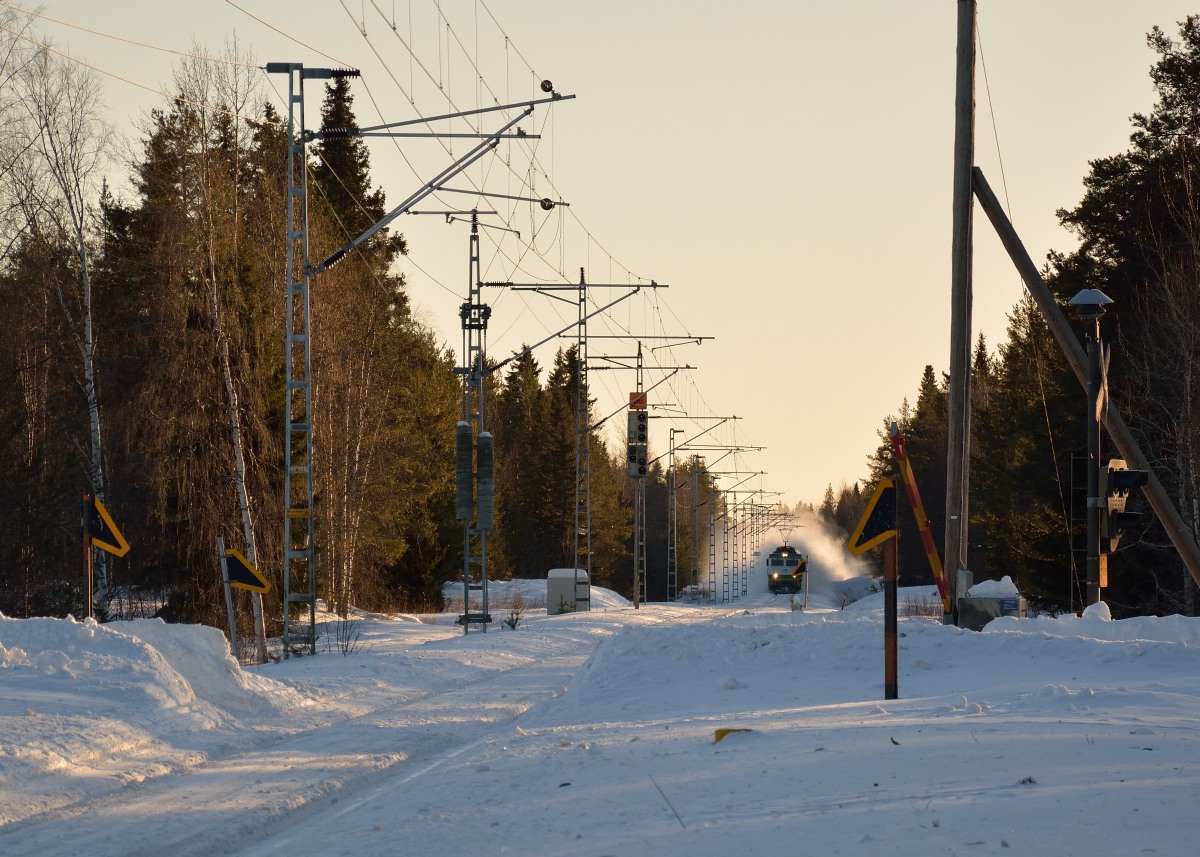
(310, 73)
(452, 170)
(616, 358)
(438, 183)
(571, 287)
(371, 129)
(679, 340)
(660, 382)
(720, 422)
(449, 213)
(518, 355)
(729, 450)
(544, 202)
(341, 133)
(690, 448)
(548, 290)
(452, 217)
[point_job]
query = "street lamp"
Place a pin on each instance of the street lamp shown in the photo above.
(1089, 306)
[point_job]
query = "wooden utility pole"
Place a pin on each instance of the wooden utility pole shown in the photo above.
(958, 434)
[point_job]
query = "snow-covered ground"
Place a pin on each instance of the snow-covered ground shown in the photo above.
(595, 734)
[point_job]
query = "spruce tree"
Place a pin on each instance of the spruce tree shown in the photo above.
(519, 421)
(341, 174)
(1139, 230)
(1022, 464)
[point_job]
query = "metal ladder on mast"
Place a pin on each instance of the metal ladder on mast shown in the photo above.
(474, 315)
(299, 568)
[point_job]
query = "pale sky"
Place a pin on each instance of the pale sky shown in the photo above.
(784, 166)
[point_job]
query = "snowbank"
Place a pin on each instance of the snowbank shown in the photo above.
(1002, 588)
(1046, 736)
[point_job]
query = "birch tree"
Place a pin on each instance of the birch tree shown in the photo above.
(16, 53)
(221, 137)
(60, 173)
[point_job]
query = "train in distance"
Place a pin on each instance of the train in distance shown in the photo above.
(785, 570)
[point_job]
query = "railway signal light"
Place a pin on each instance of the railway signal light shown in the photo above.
(1116, 481)
(636, 444)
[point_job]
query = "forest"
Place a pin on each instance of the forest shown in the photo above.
(144, 364)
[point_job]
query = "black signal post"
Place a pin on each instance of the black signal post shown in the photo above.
(1089, 306)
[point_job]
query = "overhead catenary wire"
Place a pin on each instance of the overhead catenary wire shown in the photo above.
(176, 98)
(128, 41)
(436, 80)
(287, 36)
(408, 257)
(1037, 356)
(535, 246)
(46, 46)
(371, 96)
(491, 91)
(407, 94)
(536, 228)
(528, 250)
(987, 88)
(378, 109)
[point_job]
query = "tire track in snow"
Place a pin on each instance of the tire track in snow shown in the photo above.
(234, 801)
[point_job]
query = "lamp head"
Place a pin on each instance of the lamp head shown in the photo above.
(1090, 303)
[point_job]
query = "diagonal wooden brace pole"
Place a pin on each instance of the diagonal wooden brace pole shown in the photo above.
(1174, 525)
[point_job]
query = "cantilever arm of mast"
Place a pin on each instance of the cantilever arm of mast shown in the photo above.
(435, 135)
(728, 449)
(547, 204)
(454, 169)
(518, 355)
(603, 420)
(548, 289)
(677, 339)
(615, 360)
(730, 489)
(452, 217)
(735, 448)
(375, 130)
(690, 443)
(750, 492)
